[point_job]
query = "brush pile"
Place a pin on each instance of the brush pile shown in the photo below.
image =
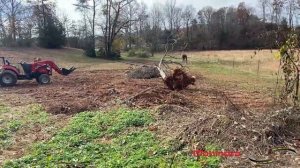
(144, 72)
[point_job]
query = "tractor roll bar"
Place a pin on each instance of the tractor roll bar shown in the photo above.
(3, 60)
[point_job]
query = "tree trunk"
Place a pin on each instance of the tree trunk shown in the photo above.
(130, 24)
(44, 15)
(93, 24)
(264, 12)
(187, 31)
(108, 49)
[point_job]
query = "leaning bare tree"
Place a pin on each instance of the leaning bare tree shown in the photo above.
(174, 78)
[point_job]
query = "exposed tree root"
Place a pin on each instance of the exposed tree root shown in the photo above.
(179, 80)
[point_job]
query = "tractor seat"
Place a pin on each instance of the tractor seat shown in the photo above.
(26, 68)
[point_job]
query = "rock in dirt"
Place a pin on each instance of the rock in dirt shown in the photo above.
(144, 72)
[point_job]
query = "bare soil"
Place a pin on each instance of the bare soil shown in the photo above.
(237, 120)
(92, 90)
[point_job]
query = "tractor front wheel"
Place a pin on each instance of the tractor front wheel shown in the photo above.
(43, 79)
(8, 78)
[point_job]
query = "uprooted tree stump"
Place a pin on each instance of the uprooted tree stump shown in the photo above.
(144, 72)
(179, 80)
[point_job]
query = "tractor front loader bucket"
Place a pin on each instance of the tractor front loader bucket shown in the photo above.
(66, 72)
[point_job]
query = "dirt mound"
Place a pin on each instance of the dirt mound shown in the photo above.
(171, 119)
(144, 72)
(158, 95)
(69, 108)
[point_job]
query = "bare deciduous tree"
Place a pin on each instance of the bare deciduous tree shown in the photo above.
(263, 4)
(142, 17)
(83, 6)
(170, 12)
(188, 16)
(12, 11)
(277, 10)
(115, 21)
(177, 18)
(207, 13)
(291, 10)
(131, 13)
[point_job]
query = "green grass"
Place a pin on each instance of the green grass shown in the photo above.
(3, 109)
(222, 75)
(13, 120)
(210, 162)
(119, 138)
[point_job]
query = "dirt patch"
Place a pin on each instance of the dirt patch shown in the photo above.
(201, 114)
(167, 110)
(172, 119)
(94, 90)
(86, 90)
(28, 134)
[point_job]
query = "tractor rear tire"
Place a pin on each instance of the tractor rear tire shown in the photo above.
(8, 78)
(43, 79)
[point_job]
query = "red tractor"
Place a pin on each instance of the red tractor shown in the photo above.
(39, 70)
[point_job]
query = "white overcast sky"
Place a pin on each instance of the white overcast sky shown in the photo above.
(68, 8)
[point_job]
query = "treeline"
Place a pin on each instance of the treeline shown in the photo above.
(109, 27)
(31, 22)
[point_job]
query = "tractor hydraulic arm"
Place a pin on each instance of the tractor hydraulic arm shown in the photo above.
(61, 71)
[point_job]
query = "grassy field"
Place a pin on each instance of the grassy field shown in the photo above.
(64, 57)
(118, 137)
(237, 68)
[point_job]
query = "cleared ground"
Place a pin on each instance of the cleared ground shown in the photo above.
(230, 89)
